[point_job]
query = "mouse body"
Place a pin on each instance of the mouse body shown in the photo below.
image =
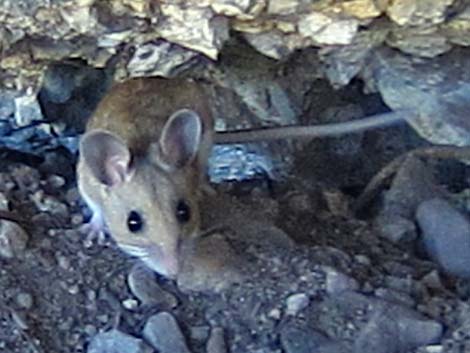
(143, 160)
(140, 166)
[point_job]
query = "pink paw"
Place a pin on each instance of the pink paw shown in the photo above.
(94, 230)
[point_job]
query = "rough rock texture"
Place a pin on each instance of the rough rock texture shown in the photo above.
(141, 38)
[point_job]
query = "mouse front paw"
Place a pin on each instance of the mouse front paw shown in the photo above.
(94, 230)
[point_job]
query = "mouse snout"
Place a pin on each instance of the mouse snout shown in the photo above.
(170, 266)
(163, 261)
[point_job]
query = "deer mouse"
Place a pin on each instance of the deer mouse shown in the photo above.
(143, 158)
(141, 163)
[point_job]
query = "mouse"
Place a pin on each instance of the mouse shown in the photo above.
(140, 166)
(143, 159)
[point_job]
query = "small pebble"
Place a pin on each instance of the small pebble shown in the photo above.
(337, 282)
(130, 304)
(91, 295)
(77, 219)
(433, 349)
(63, 262)
(55, 181)
(26, 178)
(24, 300)
(13, 239)
(296, 303)
(73, 289)
(275, 314)
(72, 196)
(115, 341)
(164, 334)
(362, 259)
(216, 342)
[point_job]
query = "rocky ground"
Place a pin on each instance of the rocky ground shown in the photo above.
(287, 267)
(289, 263)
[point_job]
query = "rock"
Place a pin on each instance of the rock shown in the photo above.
(304, 340)
(413, 184)
(159, 58)
(24, 300)
(27, 110)
(13, 239)
(328, 30)
(375, 325)
(194, 28)
(296, 303)
(143, 284)
(216, 342)
(434, 88)
(445, 236)
(337, 282)
(163, 333)
(26, 178)
(419, 12)
(397, 229)
(115, 341)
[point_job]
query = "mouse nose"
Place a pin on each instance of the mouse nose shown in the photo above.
(170, 266)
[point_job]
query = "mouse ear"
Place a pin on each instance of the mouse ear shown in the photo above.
(181, 138)
(106, 155)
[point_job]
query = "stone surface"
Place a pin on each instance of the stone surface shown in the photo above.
(296, 303)
(419, 12)
(377, 325)
(445, 235)
(337, 282)
(115, 341)
(216, 342)
(413, 184)
(435, 88)
(299, 340)
(164, 334)
(13, 239)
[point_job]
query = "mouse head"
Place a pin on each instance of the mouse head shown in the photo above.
(149, 202)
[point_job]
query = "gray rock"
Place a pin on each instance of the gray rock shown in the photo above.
(164, 334)
(398, 229)
(413, 184)
(216, 342)
(435, 88)
(13, 239)
(143, 284)
(24, 300)
(337, 282)
(296, 339)
(445, 235)
(27, 110)
(296, 303)
(375, 325)
(115, 341)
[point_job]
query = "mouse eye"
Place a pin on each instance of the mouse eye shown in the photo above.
(183, 212)
(134, 222)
